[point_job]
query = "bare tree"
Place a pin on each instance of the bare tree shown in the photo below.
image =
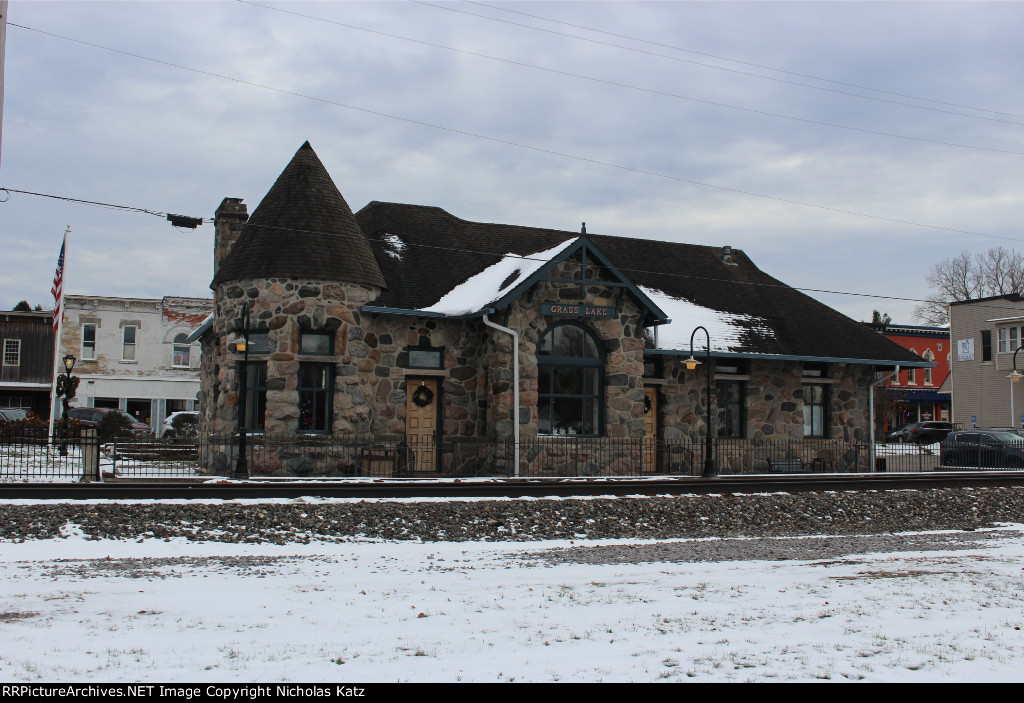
(997, 271)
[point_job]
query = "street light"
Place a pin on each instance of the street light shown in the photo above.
(242, 345)
(691, 364)
(66, 387)
(1014, 378)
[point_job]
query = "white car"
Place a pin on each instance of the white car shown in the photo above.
(167, 427)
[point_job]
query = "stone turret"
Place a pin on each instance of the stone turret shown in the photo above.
(300, 265)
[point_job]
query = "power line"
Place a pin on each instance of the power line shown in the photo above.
(722, 68)
(627, 85)
(744, 63)
(464, 250)
(85, 202)
(541, 150)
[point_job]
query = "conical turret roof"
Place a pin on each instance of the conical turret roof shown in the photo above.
(302, 229)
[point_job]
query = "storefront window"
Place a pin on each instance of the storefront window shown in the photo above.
(571, 381)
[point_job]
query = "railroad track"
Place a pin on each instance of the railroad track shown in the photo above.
(155, 489)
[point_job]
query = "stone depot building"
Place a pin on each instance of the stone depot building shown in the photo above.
(406, 321)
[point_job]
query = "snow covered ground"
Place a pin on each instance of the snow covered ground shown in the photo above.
(77, 610)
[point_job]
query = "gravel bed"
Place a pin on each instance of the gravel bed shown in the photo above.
(729, 515)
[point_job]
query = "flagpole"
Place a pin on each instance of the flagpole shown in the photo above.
(57, 366)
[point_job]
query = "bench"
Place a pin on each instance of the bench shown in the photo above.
(785, 465)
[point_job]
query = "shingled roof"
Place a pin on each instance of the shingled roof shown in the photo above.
(304, 229)
(425, 252)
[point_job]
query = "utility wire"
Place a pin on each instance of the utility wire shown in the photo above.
(463, 250)
(627, 85)
(541, 150)
(744, 63)
(722, 68)
(85, 202)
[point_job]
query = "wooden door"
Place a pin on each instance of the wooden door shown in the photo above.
(421, 403)
(650, 447)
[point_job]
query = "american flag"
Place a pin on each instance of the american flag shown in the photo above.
(58, 288)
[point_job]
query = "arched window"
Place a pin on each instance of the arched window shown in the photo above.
(182, 351)
(928, 356)
(571, 381)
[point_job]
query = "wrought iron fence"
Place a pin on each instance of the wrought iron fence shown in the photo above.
(24, 457)
(27, 455)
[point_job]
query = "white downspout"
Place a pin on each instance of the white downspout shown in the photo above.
(871, 411)
(515, 383)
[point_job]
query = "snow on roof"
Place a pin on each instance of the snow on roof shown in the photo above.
(395, 246)
(494, 281)
(724, 329)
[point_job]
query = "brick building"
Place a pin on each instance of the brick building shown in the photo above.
(920, 394)
(132, 352)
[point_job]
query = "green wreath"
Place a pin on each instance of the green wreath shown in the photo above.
(423, 396)
(67, 386)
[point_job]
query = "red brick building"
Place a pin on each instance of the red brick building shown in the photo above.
(920, 394)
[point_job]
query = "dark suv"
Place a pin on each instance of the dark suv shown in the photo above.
(90, 418)
(928, 432)
(982, 449)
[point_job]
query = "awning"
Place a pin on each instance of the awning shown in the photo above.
(922, 395)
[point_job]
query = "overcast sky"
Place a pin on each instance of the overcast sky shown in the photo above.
(191, 102)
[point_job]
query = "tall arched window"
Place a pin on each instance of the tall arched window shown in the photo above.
(928, 356)
(571, 381)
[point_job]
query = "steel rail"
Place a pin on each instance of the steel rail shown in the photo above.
(157, 489)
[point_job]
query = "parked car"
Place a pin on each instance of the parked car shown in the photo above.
(977, 449)
(894, 435)
(928, 432)
(167, 426)
(90, 418)
(13, 414)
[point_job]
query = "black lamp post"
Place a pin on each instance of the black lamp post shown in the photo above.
(242, 345)
(66, 386)
(691, 364)
(1014, 378)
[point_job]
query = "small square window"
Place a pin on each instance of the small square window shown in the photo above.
(426, 357)
(317, 343)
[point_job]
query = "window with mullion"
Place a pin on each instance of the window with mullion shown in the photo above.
(256, 395)
(815, 410)
(315, 385)
(730, 408)
(570, 382)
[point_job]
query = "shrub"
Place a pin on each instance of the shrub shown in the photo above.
(114, 425)
(185, 428)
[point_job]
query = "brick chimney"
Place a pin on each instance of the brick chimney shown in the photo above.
(227, 223)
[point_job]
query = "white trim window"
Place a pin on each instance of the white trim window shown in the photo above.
(130, 334)
(181, 356)
(12, 352)
(1010, 339)
(89, 341)
(928, 356)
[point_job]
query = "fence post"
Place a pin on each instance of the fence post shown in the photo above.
(90, 448)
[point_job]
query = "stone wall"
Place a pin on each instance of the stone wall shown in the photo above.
(476, 399)
(774, 401)
(370, 352)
